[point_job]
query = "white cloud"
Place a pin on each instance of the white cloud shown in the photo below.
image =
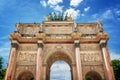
(117, 13)
(86, 9)
(64, 71)
(75, 3)
(57, 8)
(82, 14)
(107, 14)
(54, 2)
(73, 12)
(43, 3)
(95, 16)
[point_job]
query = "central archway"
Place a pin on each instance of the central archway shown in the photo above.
(58, 56)
(60, 70)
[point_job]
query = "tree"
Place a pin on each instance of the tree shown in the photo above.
(116, 68)
(0, 63)
(2, 71)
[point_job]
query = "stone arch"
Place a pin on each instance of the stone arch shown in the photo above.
(93, 75)
(56, 56)
(53, 51)
(25, 75)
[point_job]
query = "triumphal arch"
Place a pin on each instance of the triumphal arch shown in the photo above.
(36, 46)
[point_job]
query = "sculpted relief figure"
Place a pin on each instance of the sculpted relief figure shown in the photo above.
(91, 57)
(27, 56)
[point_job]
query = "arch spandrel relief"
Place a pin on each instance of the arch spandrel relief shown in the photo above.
(65, 48)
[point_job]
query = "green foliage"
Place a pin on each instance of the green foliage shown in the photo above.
(0, 63)
(116, 68)
(87, 78)
(2, 71)
(2, 74)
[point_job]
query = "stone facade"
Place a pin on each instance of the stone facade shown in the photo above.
(35, 47)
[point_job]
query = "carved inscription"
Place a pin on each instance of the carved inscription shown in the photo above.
(58, 30)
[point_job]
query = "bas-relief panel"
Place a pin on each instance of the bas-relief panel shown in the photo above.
(27, 54)
(91, 57)
(67, 48)
(58, 30)
(26, 58)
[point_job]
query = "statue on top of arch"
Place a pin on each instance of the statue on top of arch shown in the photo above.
(60, 17)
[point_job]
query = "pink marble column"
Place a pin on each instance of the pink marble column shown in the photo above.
(39, 60)
(44, 72)
(78, 60)
(107, 65)
(11, 62)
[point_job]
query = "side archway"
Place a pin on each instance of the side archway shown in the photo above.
(26, 75)
(93, 75)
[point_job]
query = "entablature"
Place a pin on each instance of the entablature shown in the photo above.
(60, 37)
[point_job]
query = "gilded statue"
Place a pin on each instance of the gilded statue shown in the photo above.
(70, 17)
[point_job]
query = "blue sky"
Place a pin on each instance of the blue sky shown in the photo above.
(58, 72)
(83, 11)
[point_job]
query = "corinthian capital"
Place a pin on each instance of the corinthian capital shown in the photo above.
(77, 43)
(103, 43)
(40, 44)
(14, 45)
